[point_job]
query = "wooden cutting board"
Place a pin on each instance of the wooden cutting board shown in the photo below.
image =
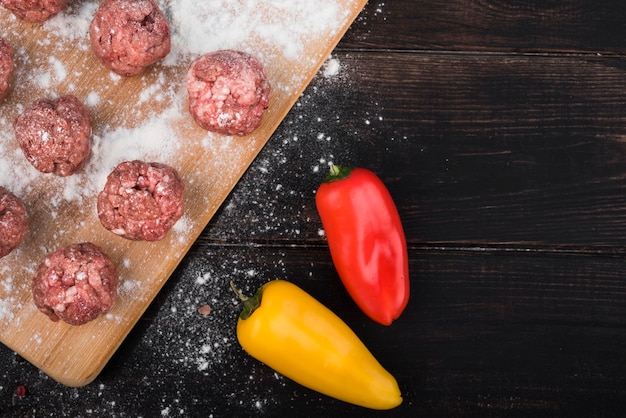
(141, 117)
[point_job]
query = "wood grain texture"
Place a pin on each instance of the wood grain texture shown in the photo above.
(498, 128)
(493, 25)
(75, 355)
(522, 150)
(515, 150)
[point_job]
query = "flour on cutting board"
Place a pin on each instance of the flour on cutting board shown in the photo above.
(197, 27)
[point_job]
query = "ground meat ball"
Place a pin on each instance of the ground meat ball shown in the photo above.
(76, 284)
(129, 35)
(13, 222)
(228, 92)
(34, 10)
(54, 135)
(6, 67)
(141, 200)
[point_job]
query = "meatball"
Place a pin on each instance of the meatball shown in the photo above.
(54, 135)
(228, 92)
(141, 200)
(76, 284)
(34, 10)
(13, 222)
(129, 35)
(6, 67)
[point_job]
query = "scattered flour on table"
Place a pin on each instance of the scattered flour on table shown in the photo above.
(197, 27)
(208, 347)
(331, 67)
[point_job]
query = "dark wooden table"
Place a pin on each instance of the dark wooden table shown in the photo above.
(500, 130)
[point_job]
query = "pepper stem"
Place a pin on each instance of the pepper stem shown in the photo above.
(337, 172)
(249, 303)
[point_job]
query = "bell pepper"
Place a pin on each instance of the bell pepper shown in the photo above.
(366, 241)
(297, 336)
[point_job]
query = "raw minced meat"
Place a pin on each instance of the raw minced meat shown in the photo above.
(128, 36)
(54, 135)
(34, 10)
(6, 67)
(76, 284)
(13, 222)
(228, 92)
(141, 200)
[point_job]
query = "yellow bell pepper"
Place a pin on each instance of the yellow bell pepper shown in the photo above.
(294, 334)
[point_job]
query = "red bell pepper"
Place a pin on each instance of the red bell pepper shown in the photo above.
(366, 241)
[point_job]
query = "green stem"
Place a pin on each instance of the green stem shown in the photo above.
(337, 172)
(250, 304)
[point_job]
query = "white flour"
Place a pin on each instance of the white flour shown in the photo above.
(197, 27)
(205, 26)
(208, 342)
(6, 306)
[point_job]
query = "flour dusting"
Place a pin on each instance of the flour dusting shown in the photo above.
(269, 29)
(6, 306)
(263, 28)
(285, 26)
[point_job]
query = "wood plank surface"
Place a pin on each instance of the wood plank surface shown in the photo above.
(494, 143)
(478, 147)
(493, 25)
(210, 165)
(498, 128)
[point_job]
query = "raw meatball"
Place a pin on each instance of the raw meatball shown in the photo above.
(6, 67)
(54, 135)
(228, 92)
(76, 284)
(141, 200)
(34, 10)
(129, 35)
(13, 222)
